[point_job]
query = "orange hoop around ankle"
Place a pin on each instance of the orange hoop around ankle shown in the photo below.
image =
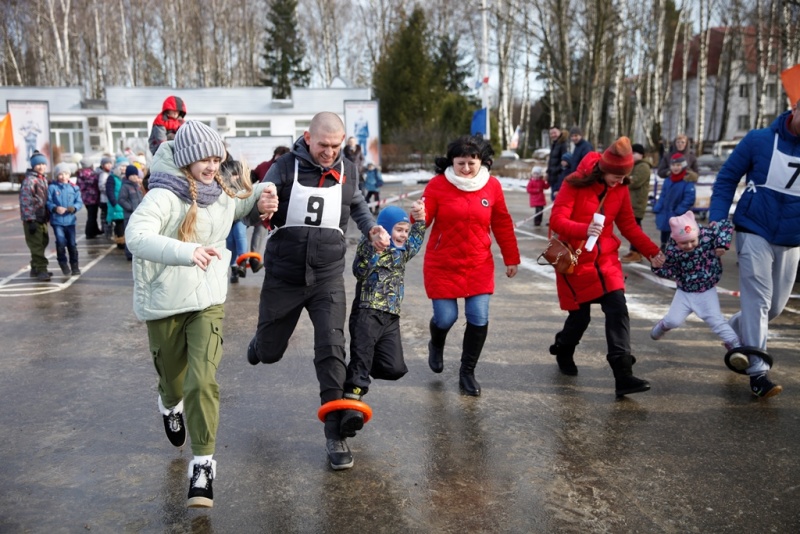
(344, 404)
(242, 257)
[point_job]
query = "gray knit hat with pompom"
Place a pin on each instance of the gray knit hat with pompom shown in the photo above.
(195, 141)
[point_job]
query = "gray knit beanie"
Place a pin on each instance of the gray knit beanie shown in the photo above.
(61, 167)
(195, 141)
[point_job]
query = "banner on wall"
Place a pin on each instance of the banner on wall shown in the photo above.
(31, 121)
(362, 120)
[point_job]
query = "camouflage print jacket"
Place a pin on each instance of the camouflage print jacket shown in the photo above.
(381, 275)
(33, 198)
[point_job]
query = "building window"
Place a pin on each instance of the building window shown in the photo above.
(253, 128)
(744, 91)
(772, 90)
(120, 131)
(69, 137)
(300, 128)
(743, 122)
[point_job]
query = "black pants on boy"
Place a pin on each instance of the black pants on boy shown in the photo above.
(375, 348)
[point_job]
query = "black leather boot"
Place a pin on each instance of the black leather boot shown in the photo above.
(436, 348)
(564, 357)
(625, 382)
(474, 337)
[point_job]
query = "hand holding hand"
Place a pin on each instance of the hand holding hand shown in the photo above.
(657, 260)
(379, 238)
(418, 210)
(268, 202)
(202, 256)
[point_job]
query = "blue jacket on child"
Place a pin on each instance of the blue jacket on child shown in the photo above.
(67, 196)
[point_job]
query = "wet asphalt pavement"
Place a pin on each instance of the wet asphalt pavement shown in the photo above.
(82, 445)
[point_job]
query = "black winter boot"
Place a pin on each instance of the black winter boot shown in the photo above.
(625, 382)
(474, 337)
(234, 274)
(436, 348)
(564, 357)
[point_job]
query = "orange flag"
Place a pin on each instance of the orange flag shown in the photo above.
(6, 137)
(791, 83)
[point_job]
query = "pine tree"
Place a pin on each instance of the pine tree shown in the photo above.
(449, 64)
(283, 50)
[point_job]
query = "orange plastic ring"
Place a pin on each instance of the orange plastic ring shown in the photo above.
(344, 404)
(246, 255)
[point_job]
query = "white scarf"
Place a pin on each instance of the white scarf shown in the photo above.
(468, 184)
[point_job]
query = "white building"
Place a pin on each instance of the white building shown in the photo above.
(124, 119)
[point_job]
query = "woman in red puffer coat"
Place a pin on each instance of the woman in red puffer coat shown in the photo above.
(598, 277)
(465, 205)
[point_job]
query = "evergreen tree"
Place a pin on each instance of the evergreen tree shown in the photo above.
(283, 50)
(449, 65)
(404, 79)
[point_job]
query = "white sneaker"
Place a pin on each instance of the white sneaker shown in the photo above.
(739, 361)
(658, 331)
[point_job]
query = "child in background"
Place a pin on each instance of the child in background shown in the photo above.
(180, 265)
(536, 187)
(34, 214)
(116, 216)
(677, 196)
(373, 183)
(103, 172)
(693, 262)
(232, 171)
(375, 345)
(166, 123)
(130, 196)
(63, 200)
(90, 195)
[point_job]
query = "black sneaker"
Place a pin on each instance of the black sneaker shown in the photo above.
(762, 386)
(352, 420)
(201, 493)
(173, 424)
(252, 357)
(339, 454)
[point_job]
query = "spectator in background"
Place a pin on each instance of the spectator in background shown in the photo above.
(90, 194)
(166, 123)
(680, 146)
(535, 188)
(103, 172)
(676, 198)
(63, 200)
(581, 147)
(353, 152)
(640, 192)
(373, 181)
(35, 216)
(559, 145)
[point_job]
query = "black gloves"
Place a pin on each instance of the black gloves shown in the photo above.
(33, 226)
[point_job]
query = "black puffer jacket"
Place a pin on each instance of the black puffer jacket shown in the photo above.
(303, 255)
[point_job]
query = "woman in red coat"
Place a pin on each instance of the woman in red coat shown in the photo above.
(464, 203)
(598, 278)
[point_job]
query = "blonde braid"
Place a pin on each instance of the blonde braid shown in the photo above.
(187, 230)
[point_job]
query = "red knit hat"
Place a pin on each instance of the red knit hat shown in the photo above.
(618, 158)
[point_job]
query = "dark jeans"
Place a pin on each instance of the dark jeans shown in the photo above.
(92, 228)
(537, 220)
(639, 222)
(617, 324)
(65, 242)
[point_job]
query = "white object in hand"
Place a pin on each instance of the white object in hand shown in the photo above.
(599, 218)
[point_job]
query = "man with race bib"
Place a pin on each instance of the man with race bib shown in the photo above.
(767, 224)
(305, 256)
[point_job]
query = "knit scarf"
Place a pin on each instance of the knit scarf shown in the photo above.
(206, 194)
(678, 177)
(468, 184)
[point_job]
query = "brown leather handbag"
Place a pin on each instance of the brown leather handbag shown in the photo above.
(560, 255)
